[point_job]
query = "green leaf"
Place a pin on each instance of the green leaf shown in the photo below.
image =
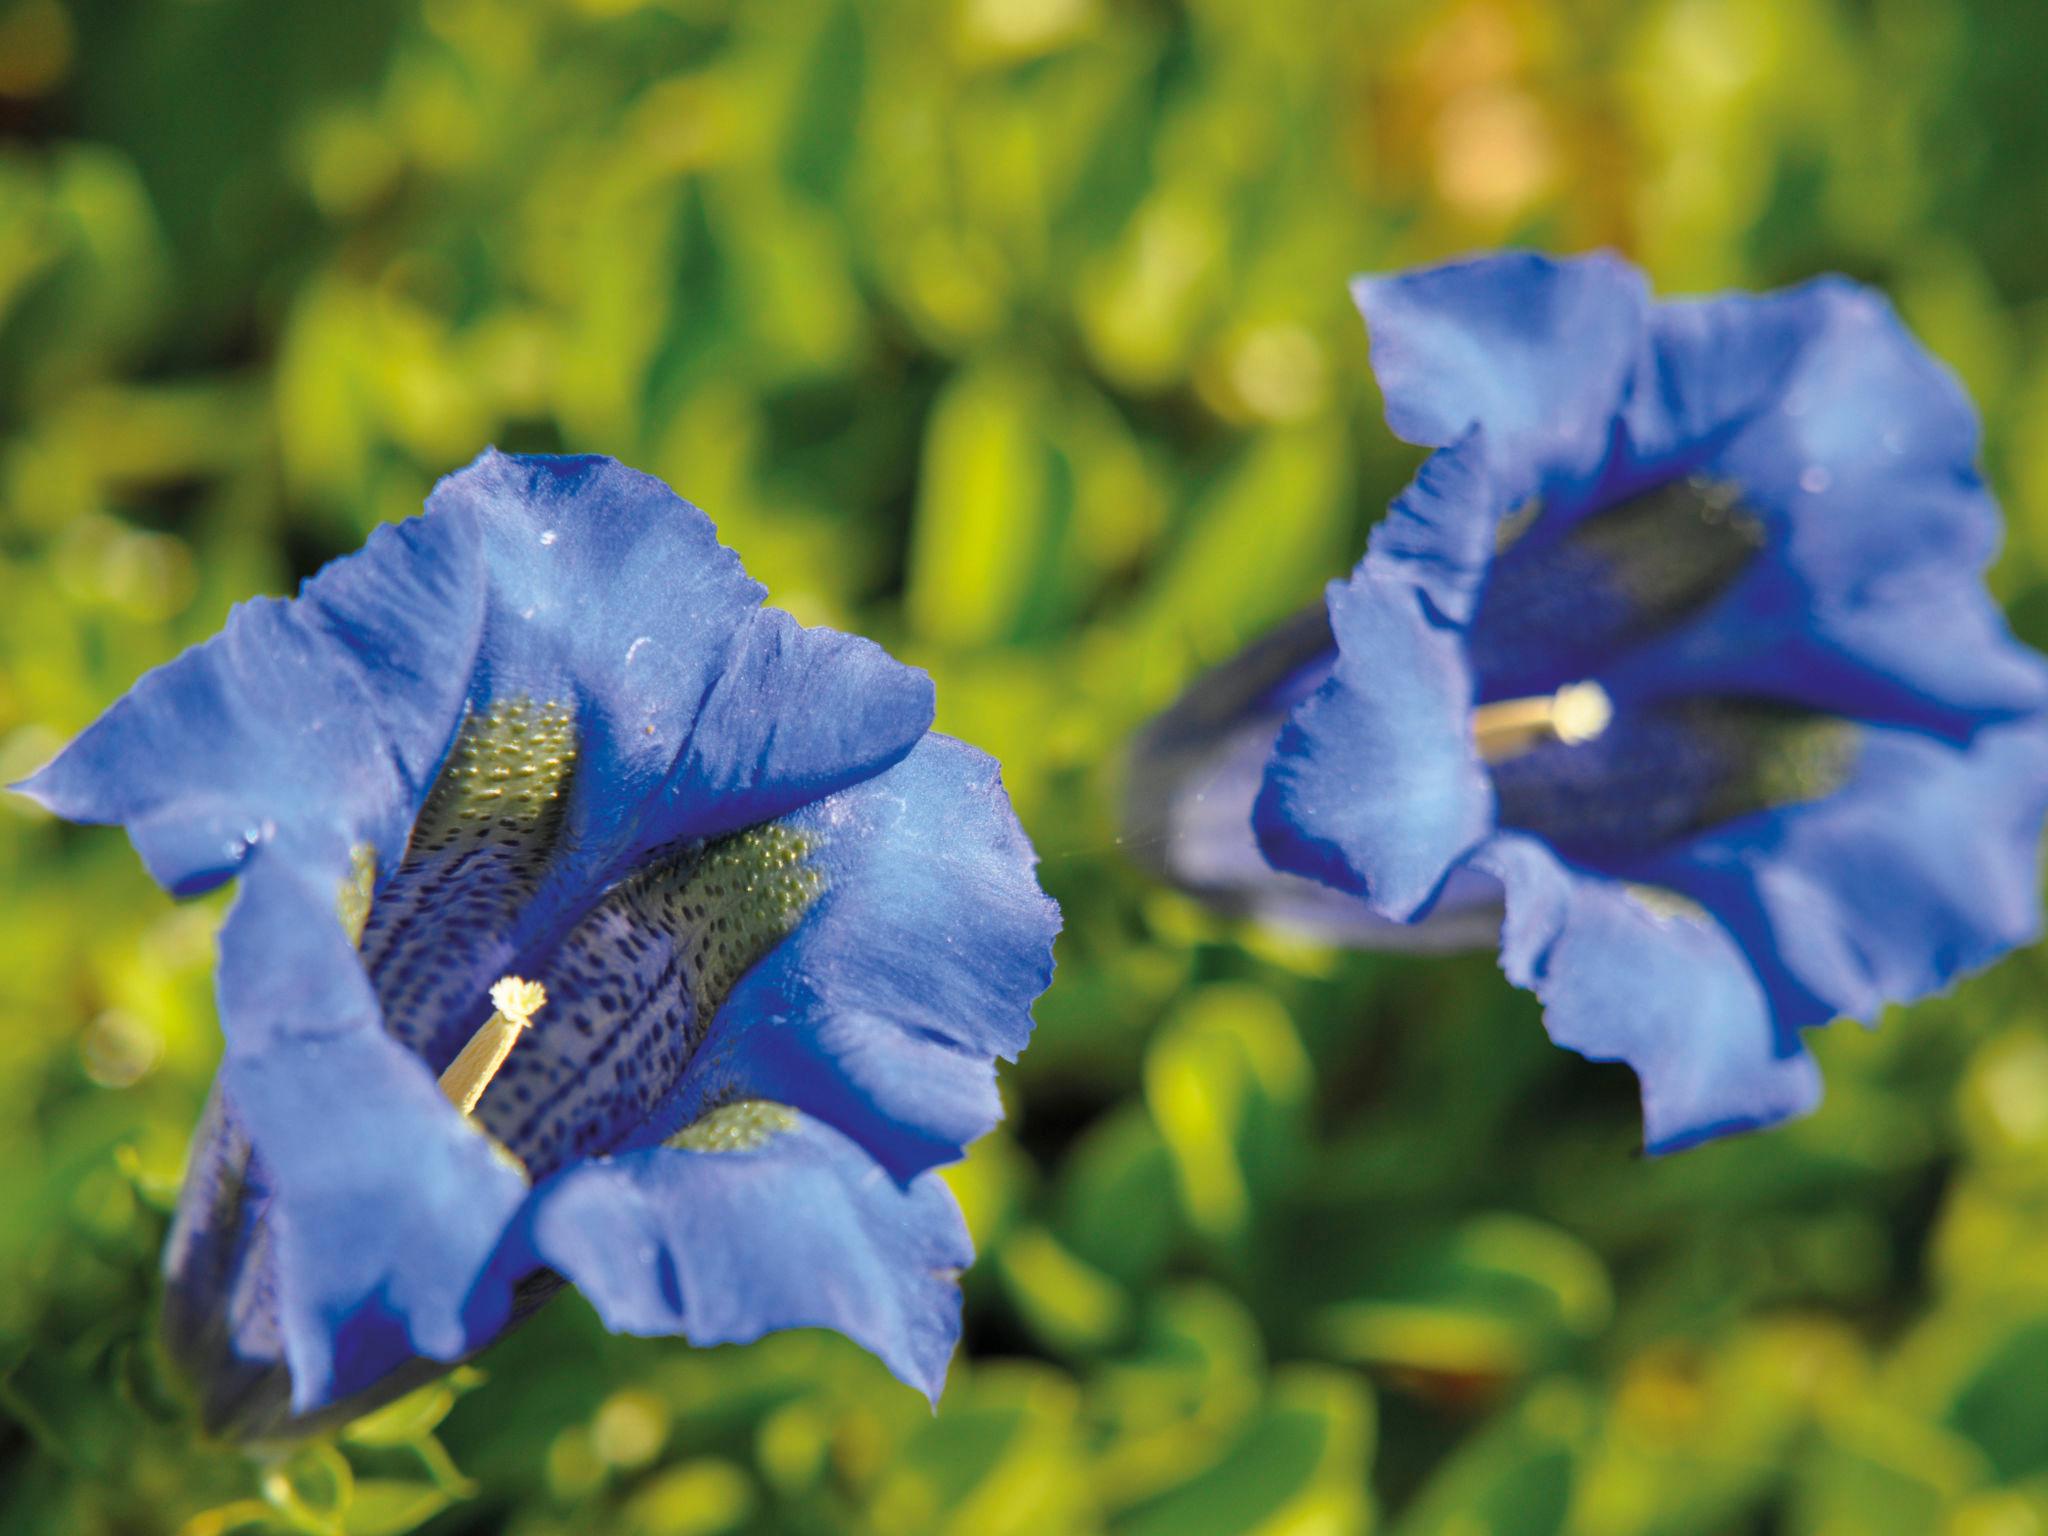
(387, 1507)
(983, 519)
(1299, 1467)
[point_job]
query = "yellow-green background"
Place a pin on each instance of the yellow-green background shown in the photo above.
(1013, 333)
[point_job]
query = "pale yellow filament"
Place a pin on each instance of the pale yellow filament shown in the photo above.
(470, 1073)
(1577, 712)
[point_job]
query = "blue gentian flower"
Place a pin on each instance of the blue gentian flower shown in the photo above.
(711, 944)
(1677, 651)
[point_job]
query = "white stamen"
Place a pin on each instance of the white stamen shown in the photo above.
(470, 1073)
(1576, 713)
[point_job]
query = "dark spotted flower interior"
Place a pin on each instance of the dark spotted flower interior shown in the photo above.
(632, 986)
(1563, 604)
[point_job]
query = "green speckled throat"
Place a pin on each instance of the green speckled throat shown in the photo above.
(739, 1126)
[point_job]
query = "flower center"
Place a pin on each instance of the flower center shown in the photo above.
(1576, 713)
(635, 986)
(630, 988)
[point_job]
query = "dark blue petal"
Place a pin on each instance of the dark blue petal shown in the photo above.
(882, 1013)
(220, 1318)
(1925, 866)
(386, 1204)
(1625, 977)
(325, 716)
(770, 1220)
(1533, 352)
(1374, 786)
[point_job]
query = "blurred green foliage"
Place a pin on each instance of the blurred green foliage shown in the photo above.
(1014, 333)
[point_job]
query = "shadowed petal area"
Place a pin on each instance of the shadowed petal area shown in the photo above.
(220, 1322)
(1926, 865)
(1711, 366)
(758, 1218)
(882, 1013)
(1635, 977)
(1663, 772)
(1374, 786)
(325, 716)
(1533, 352)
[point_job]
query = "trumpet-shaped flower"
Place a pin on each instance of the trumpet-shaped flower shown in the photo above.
(1676, 652)
(595, 924)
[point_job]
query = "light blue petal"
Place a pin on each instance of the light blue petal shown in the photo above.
(1374, 786)
(795, 715)
(324, 717)
(883, 1012)
(1667, 991)
(789, 1227)
(1875, 444)
(1532, 351)
(1441, 531)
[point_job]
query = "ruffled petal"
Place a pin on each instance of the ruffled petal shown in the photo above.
(1534, 352)
(883, 1012)
(1440, 533)
(762, 1218)
(796, 714)
(1861, 466)
(386, 1205)
(324, 717)
(1624, 976)
(1925, 866)
(1374, 786)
